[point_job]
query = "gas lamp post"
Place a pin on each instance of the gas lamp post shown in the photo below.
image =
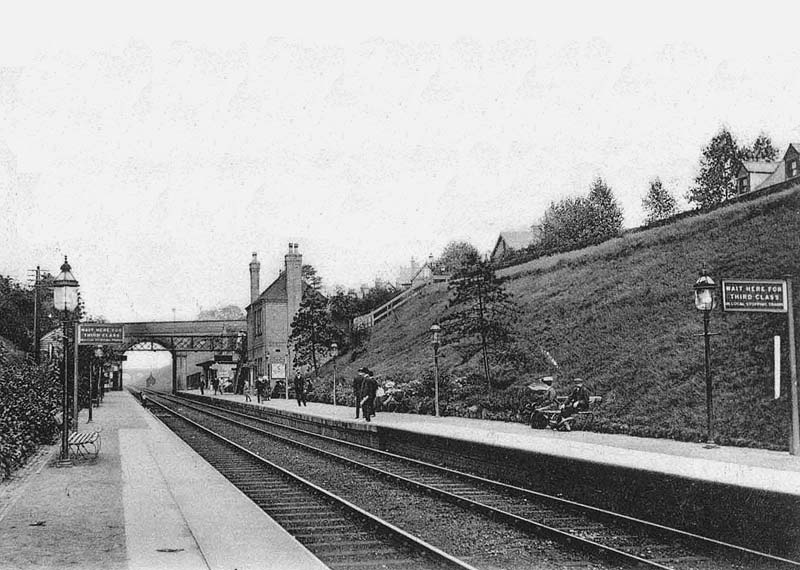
(94, 377)
(705, 301)
(65, 298)
(435, 330)
(335, 353)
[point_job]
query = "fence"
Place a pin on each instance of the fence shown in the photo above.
(424, 277)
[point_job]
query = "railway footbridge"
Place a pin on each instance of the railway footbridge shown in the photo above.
(180, 338)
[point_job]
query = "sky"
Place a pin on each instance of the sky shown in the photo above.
(159, 144)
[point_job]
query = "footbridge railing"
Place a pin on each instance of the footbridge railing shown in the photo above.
(417, 284)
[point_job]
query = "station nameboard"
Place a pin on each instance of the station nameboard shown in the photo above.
(754, 295)
(99, 333)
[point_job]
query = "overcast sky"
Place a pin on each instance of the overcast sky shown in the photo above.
(160, 144)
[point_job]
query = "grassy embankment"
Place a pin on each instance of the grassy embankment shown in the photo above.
(621, 315)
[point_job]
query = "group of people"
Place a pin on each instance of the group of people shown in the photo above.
(262, 389)
(365, 392)
(548, 412)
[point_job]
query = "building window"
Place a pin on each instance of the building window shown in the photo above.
(792, 168)
(259, 319)
(744, 184)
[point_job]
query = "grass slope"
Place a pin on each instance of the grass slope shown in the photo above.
(621, 315)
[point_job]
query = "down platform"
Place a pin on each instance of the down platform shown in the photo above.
(749, 497)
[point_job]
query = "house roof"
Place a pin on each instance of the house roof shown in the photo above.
(778, 176)
(760, 166)
(518, 240)
(276, 292)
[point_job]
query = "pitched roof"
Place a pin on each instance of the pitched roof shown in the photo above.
(760, 166)
(518, 240)
(276, 292)
(778, 176)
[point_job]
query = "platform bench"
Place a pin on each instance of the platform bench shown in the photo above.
(84, 444)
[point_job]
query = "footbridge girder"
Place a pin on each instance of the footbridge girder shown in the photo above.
(181, 337)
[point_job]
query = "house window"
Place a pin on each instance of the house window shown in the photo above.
(259, 321)
(744, 185)
(792, 169)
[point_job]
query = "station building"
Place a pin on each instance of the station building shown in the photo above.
(269, 318)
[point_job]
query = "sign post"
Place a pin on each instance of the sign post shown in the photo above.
(794, 444)
(768, 296)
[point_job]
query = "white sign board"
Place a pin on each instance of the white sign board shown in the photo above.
(277, 371)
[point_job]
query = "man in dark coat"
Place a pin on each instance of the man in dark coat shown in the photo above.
(369, 389)
(357, 381)
(259, 389)
(300, 390)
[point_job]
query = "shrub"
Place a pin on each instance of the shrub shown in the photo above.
(28, 395)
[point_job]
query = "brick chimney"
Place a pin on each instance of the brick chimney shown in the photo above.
(294, 294)
(294, 281)
(255, 272)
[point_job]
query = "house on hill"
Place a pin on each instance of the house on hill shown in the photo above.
(414, 274)
(269, 318)
(753, 175)
(508, 242)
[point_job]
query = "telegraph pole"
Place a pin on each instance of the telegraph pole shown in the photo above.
(37, 282)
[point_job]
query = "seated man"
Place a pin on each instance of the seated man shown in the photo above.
(577, 401)
(546, 401)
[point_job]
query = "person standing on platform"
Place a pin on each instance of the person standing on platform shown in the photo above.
(369, 389)
(247, 392)
(215, 384)
(299, 390)
(202, 382)
(259, 389)
(358, 380)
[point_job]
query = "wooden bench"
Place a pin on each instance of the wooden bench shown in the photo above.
(586, 417)
(81, 442)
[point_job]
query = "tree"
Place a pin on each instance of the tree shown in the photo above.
(312, 330)
(659, 203)
(454, 255)
(309, 275)
(226, 313)
(719, 164)
(573, 223)
(481, 315)
(605, 214)
(17, 312)
(761, 149)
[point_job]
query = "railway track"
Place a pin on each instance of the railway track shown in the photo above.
(339, 533)
(621, 540)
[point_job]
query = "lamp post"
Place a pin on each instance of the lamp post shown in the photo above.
(98, 354)
(705, 301)
(435, 329)
(65, 298)
(335, 352)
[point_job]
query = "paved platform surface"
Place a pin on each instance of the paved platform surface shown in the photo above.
(147, 502)
(753, 468)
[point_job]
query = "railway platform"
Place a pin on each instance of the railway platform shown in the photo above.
(758, 469)
(749, 497)
(146, 502)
